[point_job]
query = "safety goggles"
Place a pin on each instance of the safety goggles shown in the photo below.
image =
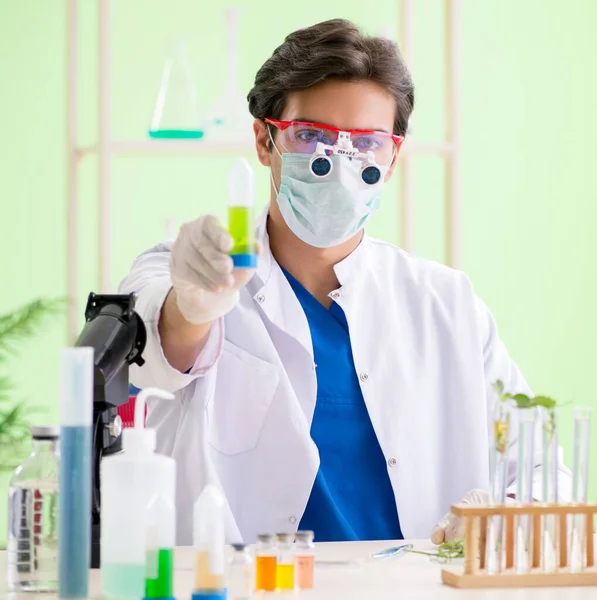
(302, 137)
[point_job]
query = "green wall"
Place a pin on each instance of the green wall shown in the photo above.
(528, 153)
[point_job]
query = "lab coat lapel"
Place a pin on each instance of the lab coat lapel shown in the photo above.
(272, 292)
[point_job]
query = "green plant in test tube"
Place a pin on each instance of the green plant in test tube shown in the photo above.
(241, 201)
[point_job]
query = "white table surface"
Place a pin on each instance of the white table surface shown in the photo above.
(406, 577)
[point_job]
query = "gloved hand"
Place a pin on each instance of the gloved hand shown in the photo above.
(203, 277)
(451, 527)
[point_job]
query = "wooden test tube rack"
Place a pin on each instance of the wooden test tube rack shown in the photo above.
(474, 573)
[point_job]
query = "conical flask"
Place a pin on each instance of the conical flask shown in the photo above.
(176, 112)
(229, 119)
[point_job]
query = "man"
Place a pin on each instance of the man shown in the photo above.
(343, 386)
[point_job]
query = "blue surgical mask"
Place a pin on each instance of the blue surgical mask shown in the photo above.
(325, 212)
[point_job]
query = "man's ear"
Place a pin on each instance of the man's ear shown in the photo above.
(262, 142)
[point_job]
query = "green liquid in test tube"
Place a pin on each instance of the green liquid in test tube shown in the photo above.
(241, 201)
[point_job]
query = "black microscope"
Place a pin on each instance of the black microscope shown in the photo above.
(117, 335)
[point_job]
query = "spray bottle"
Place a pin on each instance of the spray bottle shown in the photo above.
(129, 482)
(210, 545)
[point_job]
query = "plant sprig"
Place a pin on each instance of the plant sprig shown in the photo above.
(522, 400)
(446, 551)
(24, 322)
(14, 425)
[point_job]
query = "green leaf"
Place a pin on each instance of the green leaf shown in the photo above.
(24, 322)
(498, 386)
(522, 400)
(14, 426)
(544, 401)
(446, 551)
(5, 388)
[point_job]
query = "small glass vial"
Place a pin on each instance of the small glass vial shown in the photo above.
(265, 563)
(304, 559)
(32, 550)
(285, 566)
(240, 573)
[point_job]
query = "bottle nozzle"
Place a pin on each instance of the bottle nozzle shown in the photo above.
(141, 403)
(138, 437)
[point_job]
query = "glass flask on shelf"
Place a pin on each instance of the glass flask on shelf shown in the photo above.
(229, 120)
(176, 112)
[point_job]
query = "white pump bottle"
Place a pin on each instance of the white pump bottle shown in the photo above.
(129, 481)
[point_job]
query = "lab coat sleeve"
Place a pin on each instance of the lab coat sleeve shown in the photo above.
(499, 365)
(149, 278)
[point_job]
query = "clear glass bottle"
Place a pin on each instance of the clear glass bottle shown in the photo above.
(304, 559)
(265, 563)
(285, 565)
(32, 548)
(240, 573)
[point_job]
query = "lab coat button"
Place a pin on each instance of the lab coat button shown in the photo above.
(292, 519)
(261, 298)
(335, 295)
(392, 462)
(364, 377)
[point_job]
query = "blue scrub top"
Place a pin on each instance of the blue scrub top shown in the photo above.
(352, 498)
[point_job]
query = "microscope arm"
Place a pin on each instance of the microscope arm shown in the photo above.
(117, 335)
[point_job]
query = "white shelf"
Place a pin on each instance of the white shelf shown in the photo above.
(214, 148)
(175, 147)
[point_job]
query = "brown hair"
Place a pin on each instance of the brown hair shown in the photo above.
(335, 49)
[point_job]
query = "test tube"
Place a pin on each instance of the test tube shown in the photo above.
(159, 564)
(208, 516)
(241, 202)
(580, 476)
(498, 474)
(76, 415)
(524, 487)
(285, 564)
(305, 559)
(265, 563)
(549, 479)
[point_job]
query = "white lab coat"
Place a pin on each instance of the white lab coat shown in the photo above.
(426, 350)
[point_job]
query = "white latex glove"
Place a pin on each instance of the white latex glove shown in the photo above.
(203, 276)
(451, 527)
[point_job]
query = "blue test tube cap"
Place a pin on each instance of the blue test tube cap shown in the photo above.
(209, 595)
(244, 261)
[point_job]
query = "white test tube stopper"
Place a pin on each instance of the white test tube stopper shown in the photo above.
(241, 184)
